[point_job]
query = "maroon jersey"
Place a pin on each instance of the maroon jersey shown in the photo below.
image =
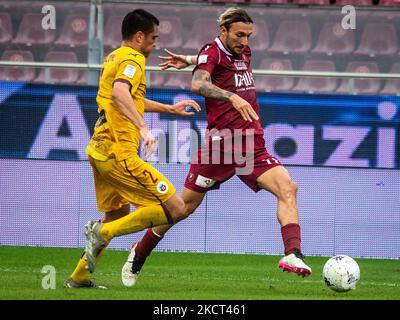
(231, 73)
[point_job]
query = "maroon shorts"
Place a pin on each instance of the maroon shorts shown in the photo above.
(208, 170)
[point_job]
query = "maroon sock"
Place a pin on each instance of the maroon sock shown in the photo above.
(147, 244)
(291, 238)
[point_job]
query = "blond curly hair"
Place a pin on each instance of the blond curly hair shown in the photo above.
(232, 15)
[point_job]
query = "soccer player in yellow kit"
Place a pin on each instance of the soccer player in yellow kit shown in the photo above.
(121, 178)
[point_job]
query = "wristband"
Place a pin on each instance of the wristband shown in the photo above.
(189, 60)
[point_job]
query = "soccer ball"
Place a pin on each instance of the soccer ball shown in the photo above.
(341, 273)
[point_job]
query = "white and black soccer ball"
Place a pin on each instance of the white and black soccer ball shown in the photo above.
(341, 273)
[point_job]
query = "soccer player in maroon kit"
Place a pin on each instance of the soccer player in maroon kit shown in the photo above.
(223, 75)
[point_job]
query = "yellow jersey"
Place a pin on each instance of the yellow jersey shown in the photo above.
(115, 136)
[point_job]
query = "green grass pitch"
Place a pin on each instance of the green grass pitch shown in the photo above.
(188, 276)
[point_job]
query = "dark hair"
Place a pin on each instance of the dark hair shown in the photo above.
(232, 15)
(138, 20)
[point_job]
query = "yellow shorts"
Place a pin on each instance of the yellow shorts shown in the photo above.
(131, 181)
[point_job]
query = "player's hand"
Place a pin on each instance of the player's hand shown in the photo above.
(180, 108)
(244, 108)
(149, 142)
(174, 60)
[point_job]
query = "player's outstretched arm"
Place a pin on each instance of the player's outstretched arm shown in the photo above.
(180, 108)
(177, 61)
(201, 84)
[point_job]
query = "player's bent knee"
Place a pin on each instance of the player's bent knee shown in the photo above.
(288, 190)
(189, 209)
(294, 186)
(176, 209)
(115, 214)
(179, 213)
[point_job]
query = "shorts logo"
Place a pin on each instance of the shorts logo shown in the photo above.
(162, 187)
(204, 182)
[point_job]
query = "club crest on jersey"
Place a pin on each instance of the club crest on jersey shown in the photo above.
(204, 182)
(162, 187)
(240, 65)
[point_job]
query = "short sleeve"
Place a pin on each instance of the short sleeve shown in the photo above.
(130, 72)
(207, 59)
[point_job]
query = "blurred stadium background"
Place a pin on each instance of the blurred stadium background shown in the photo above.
(338, 133)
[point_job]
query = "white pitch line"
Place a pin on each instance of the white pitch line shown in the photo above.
(155, 275)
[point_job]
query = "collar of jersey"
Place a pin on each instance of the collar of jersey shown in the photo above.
(135, 51)
(221, 46)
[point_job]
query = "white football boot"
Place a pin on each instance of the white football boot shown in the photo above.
(294, 263)
(131, 269)
(94, 243)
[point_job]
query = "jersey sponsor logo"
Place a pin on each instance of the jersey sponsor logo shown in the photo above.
(129, 71)
(240, 65)
(244, 79)
(202, 58)
(162, 187)
(204, 182)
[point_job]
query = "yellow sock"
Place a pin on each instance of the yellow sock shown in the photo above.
(81, 274)
(138, 220)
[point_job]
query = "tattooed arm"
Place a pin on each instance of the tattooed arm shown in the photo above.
(201, 85)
